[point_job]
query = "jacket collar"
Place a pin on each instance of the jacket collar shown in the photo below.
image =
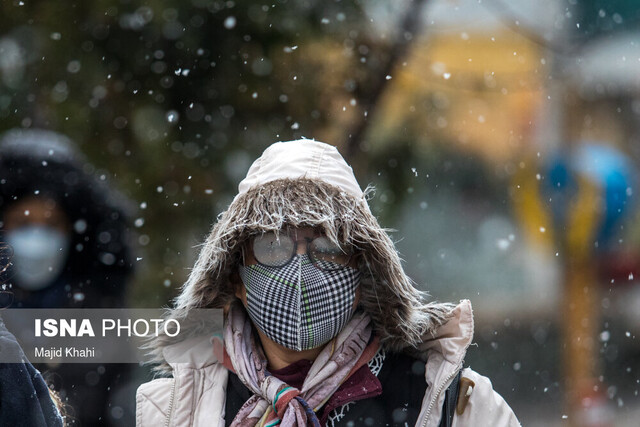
(450, 341)
(196, 352)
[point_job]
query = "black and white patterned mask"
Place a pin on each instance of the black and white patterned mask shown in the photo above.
(298, 305)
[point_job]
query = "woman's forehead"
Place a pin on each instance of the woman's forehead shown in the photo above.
(301, 232)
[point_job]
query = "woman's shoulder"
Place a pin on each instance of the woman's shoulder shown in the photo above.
(479, 404)
(175, 397)
(467, 396)
(196, 377)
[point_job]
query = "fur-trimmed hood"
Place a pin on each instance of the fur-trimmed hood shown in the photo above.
(308, 183)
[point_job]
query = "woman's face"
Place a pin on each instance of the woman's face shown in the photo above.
(34, 210)
(300, 235)
(280, 343)
(39, 235)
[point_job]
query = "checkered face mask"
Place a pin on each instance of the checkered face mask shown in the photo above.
(298, 305)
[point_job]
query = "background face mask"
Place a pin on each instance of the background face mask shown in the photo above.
(299, 306)
(39, 255)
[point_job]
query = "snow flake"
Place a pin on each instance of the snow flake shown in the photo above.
(230, 22)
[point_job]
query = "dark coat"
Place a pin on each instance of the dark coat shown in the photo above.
(24, 396)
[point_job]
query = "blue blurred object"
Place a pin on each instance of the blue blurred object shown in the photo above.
(606, 168)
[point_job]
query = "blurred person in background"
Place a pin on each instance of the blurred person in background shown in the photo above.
(68, 236)
(321, 324)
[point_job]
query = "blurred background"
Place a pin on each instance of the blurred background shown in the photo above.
(503, 139)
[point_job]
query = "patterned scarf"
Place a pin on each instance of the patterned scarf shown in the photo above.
(274, 402)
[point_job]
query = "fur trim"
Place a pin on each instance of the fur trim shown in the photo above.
(400, 315)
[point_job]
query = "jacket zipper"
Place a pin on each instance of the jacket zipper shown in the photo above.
(440, 388)
(171, 398)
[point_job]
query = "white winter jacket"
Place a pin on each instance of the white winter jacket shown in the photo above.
(195, 396)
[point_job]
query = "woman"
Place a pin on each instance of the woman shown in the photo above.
(321, 324)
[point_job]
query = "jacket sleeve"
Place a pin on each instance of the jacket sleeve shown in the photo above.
(153, 400)
(24, 395)
(193, 397)
(484, 406)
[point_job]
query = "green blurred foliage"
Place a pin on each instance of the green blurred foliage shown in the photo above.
(174, 99)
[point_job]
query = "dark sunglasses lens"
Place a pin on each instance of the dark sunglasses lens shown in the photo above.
(273, 250)
(328, 255)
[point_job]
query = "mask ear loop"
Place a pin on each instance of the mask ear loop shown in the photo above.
(244, 263)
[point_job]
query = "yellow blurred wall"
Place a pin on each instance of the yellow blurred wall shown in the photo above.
(479, 91)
